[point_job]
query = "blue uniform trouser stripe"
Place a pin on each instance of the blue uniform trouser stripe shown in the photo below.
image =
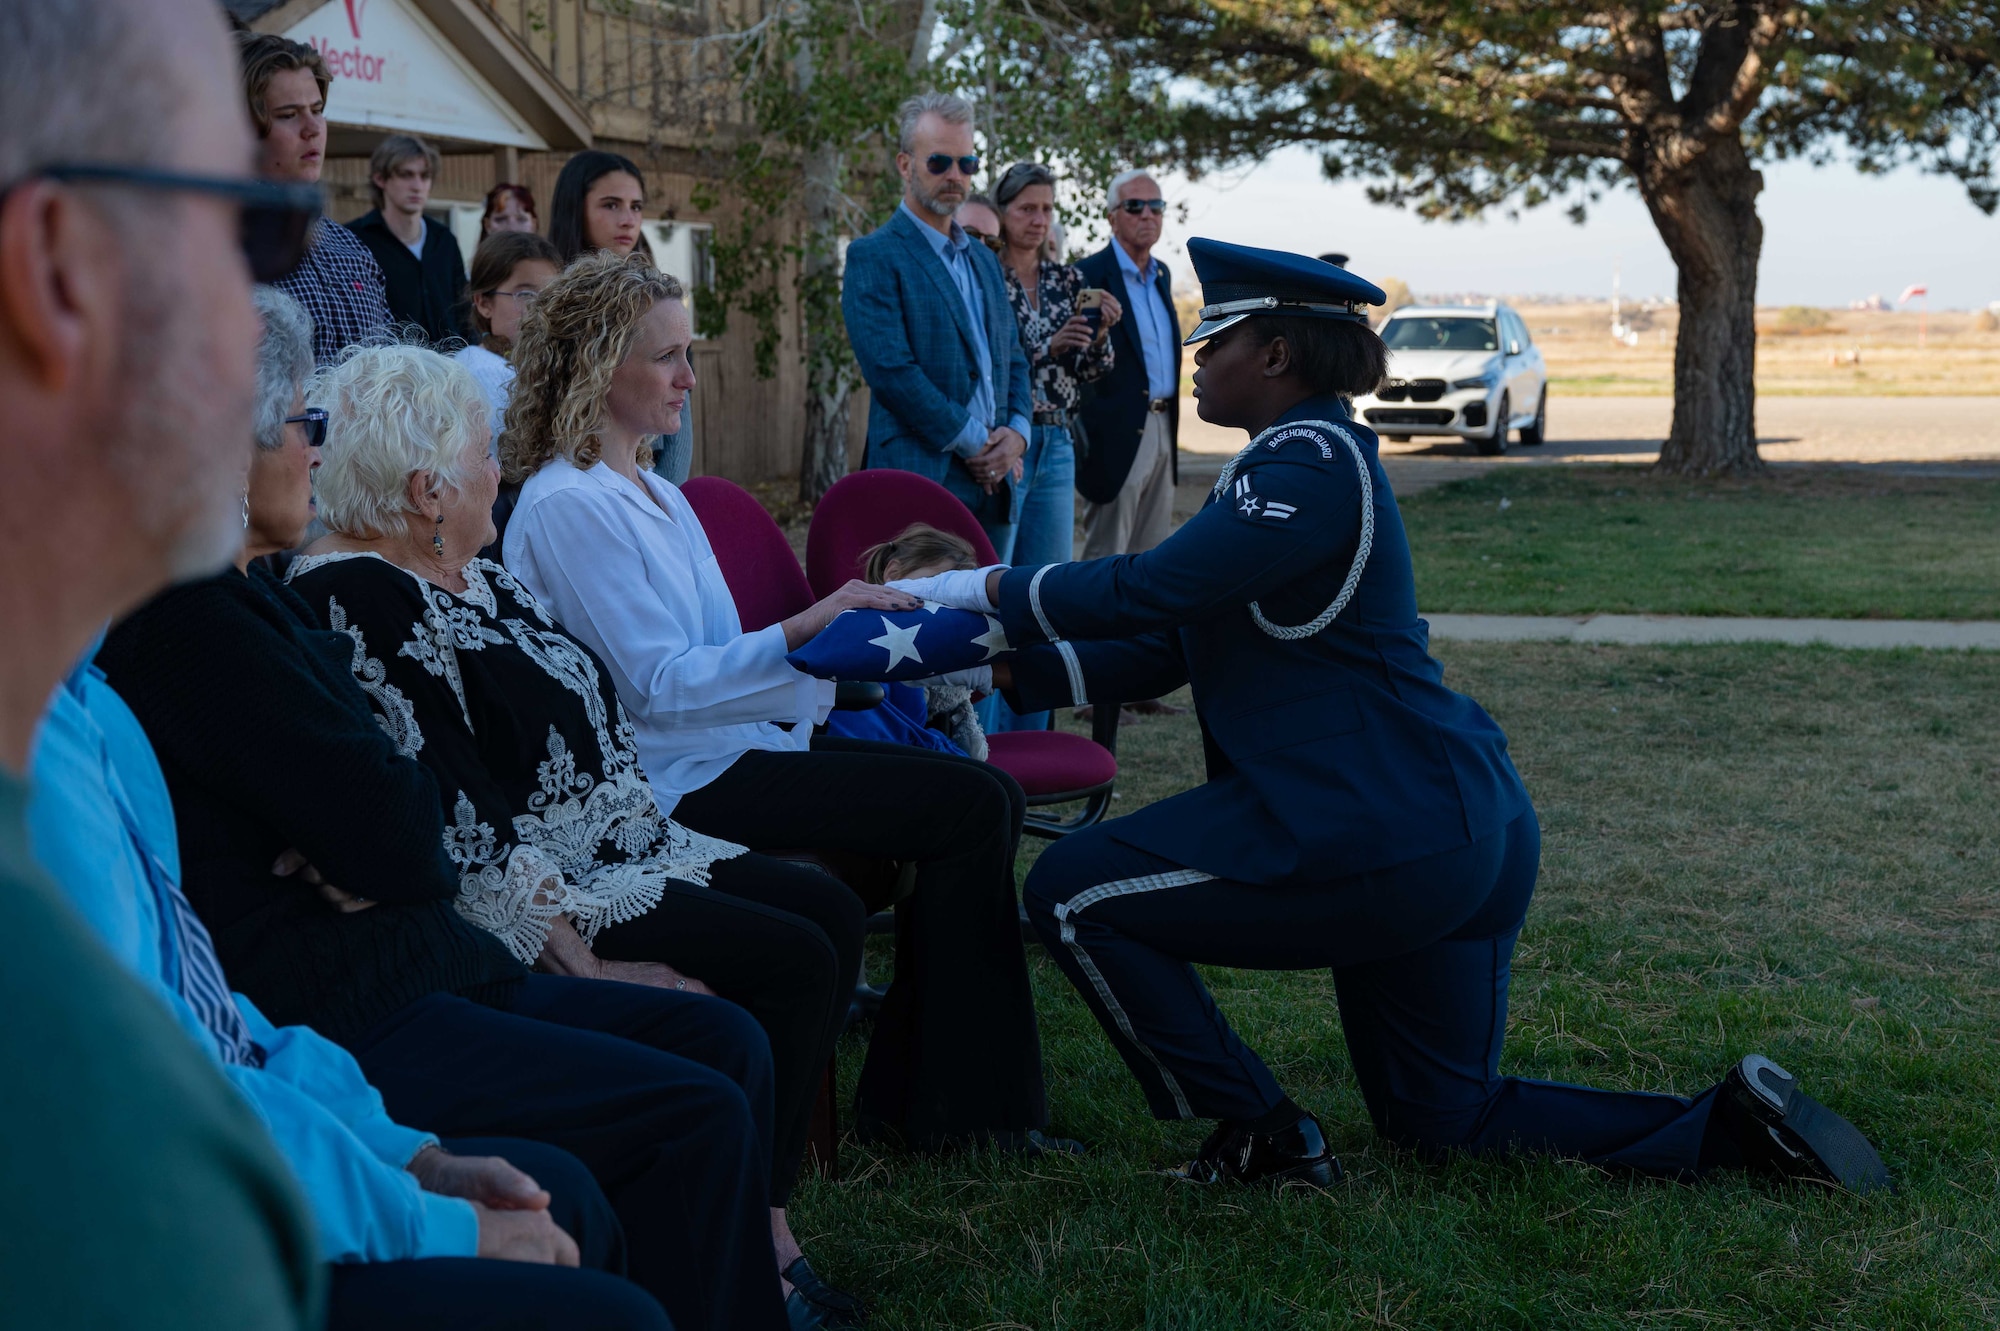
(1421, 958)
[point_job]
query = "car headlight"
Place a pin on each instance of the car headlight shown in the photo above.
(1483, 381)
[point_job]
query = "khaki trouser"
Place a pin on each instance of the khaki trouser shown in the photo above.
(1143, 513)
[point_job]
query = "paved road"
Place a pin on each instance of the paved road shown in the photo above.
(1909, 435)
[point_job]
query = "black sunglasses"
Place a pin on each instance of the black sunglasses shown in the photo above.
(1137, 206)
(315, 422)
(277, 218)
(939, 163)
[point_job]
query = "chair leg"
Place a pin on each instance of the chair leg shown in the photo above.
(823, 1135)
(1054, 829)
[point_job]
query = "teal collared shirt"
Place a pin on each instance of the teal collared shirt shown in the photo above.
(101, 822)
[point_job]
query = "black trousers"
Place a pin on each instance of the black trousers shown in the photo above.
(447, 1293)
(1420, 955)
(955, 1055)
(782, 941)
(441, 1294)
(664, 1096)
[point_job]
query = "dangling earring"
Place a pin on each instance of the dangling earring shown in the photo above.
(437, 537)
(246, 510)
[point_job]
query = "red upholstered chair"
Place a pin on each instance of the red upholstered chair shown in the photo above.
(1053, 766)
(757, 561)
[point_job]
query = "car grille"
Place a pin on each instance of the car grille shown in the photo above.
(1412, 390)
(1376, 416)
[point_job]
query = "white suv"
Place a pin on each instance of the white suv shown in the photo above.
(1465, 370)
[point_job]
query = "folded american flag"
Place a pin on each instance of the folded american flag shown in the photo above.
(886, 645)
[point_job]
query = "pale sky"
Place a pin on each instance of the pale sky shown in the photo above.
(1831, 235)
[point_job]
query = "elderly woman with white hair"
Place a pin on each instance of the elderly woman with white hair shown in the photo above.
(560, 849)
(316, 853)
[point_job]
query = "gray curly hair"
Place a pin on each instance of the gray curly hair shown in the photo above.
(284, 359)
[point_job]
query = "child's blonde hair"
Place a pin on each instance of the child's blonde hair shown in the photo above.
(920, 545)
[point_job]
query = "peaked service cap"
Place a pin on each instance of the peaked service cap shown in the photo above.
(1238, 281)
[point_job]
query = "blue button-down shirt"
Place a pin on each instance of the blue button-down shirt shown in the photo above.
(954, 251)
(101, 822)
(1155, 324)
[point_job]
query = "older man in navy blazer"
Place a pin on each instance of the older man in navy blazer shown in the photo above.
(927, 313)
(1132, 415)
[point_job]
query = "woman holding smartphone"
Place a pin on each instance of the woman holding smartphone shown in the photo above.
(1064, 326)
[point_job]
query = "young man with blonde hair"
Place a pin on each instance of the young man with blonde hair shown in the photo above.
(339, 283)
(419, 257)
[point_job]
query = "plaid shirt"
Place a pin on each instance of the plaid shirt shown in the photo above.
(341, 287)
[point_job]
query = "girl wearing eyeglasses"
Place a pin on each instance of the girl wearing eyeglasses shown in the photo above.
(508, 270)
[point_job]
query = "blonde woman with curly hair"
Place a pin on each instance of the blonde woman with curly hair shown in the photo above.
(725, 726)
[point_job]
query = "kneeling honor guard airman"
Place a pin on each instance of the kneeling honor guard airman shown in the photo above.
(1358, 815)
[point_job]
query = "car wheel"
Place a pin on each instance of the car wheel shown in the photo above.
(1537, 430)
(1495, 442)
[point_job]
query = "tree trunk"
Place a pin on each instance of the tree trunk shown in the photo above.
(1707, 215)
(825, 459)
(829, 362)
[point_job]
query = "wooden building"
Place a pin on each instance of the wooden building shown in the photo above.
(508, 89)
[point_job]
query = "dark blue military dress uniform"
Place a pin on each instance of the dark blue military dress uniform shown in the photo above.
(1358, 814)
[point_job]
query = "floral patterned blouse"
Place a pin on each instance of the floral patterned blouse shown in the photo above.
(547, 812)
(1055, 377)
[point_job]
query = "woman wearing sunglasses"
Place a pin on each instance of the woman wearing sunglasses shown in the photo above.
(1068, 346)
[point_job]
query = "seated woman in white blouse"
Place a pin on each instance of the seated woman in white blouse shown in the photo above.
(725, 726)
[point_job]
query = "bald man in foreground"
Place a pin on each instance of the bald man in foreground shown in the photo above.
(141, 1190)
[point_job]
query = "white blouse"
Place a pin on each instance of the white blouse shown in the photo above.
(637, 580)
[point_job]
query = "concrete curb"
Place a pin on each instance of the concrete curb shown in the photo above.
(1644, 629)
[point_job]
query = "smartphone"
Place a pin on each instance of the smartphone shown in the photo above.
(1090, 304)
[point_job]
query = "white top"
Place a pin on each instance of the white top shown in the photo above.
(638, 581)
(495, 375)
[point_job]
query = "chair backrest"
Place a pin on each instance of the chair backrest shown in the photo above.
(869, 507)
(757, 561)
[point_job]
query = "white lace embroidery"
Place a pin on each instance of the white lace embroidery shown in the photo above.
(393, 710)
(556, 865)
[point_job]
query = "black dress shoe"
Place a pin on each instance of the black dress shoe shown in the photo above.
(1782, 1130)
(1294, 1154)
(802, 1314)
(835, 1307)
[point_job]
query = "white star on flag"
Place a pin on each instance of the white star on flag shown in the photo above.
(994, 640)
(901, 644)
(932, 607)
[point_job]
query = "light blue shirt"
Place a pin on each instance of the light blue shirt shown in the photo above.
(1156, 325)
(101, 822)
(954, 251)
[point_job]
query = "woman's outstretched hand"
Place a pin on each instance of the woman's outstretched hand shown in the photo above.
(856, 595)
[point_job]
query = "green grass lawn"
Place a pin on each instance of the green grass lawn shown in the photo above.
(1817, 543)
(1746, 849)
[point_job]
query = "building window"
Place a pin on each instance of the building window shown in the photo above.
(680, 249)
